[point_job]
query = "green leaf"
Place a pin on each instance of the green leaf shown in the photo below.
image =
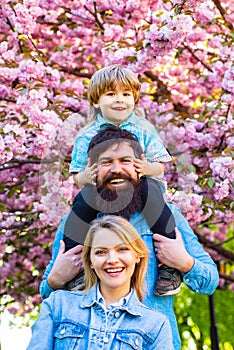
(211, 183)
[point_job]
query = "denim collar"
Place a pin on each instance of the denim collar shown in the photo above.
(133, 306)
(104, 123)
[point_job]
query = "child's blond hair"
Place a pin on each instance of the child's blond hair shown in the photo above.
(108, 78)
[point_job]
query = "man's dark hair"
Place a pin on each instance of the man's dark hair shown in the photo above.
(112, 135)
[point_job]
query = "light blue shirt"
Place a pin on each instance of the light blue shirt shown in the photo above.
(146, 133)
(203, 278)
(78, 321)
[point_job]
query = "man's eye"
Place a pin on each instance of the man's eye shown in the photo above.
(126, 161)
(107, 162)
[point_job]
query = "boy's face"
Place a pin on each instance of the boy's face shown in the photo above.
(116, 105)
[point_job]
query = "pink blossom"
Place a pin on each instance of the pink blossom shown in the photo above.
(221, 190)
(222, 167)
(228, 80)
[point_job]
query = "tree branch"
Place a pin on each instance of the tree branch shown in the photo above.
(95, 15)
(76, 71)
(197, 58)
(222, 12)
(163, 91)
(13, 30)
(219, 249)
(226, 277)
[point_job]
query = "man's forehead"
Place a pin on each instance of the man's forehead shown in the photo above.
(123, 146)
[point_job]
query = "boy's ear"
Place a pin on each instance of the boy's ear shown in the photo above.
(96, 105)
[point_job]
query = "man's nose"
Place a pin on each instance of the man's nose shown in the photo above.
(116, 167)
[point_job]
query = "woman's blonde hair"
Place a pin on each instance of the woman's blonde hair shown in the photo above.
(130, 236)
(108, 78)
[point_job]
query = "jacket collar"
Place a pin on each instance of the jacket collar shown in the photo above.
(103, 122)
(133, 306)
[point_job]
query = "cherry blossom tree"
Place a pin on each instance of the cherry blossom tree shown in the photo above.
(183, 54)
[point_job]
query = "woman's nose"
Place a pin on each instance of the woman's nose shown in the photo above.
(112, 257)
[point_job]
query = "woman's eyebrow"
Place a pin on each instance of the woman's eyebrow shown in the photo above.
(104, 247)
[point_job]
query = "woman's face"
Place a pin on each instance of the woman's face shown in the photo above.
(113, 261)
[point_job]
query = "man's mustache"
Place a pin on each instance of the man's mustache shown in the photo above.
(114, 176)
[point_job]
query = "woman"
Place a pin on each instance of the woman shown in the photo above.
(108, 313)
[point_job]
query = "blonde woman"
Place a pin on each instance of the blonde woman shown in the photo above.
(107, 313)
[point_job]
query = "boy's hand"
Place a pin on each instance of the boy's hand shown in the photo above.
(143, 167)
(88, 176)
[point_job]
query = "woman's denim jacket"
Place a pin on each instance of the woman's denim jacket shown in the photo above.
(77, 321)
(203, 278)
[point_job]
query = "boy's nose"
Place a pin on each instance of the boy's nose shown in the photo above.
(119, 97)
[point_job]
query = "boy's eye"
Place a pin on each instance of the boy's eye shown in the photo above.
(110, 93)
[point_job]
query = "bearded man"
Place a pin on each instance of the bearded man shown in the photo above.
(118, 191)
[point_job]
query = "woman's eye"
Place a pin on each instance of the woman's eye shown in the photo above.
(123, 249)
(100, 252)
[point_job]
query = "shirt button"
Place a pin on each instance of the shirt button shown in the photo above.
(187, 280)
(63, 330)
(105, 339)
(117, 314)
(137, 341)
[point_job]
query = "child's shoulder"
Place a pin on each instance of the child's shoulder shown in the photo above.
(144, 121)
(142, 125)
(89, 130)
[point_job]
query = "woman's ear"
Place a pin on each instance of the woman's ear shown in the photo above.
(138, 261)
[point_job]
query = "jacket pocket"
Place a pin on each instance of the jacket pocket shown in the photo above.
(68, 335)
(130, 340)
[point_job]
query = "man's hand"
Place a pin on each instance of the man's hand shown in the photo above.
(88, 176)
(66, 266)
(172, 252)
(143, 167)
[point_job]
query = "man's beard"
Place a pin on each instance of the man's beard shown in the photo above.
(124, 202)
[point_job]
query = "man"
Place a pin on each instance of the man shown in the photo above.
(115, 152)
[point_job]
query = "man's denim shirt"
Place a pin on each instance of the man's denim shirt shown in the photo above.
(203, 278)
(73, 320)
